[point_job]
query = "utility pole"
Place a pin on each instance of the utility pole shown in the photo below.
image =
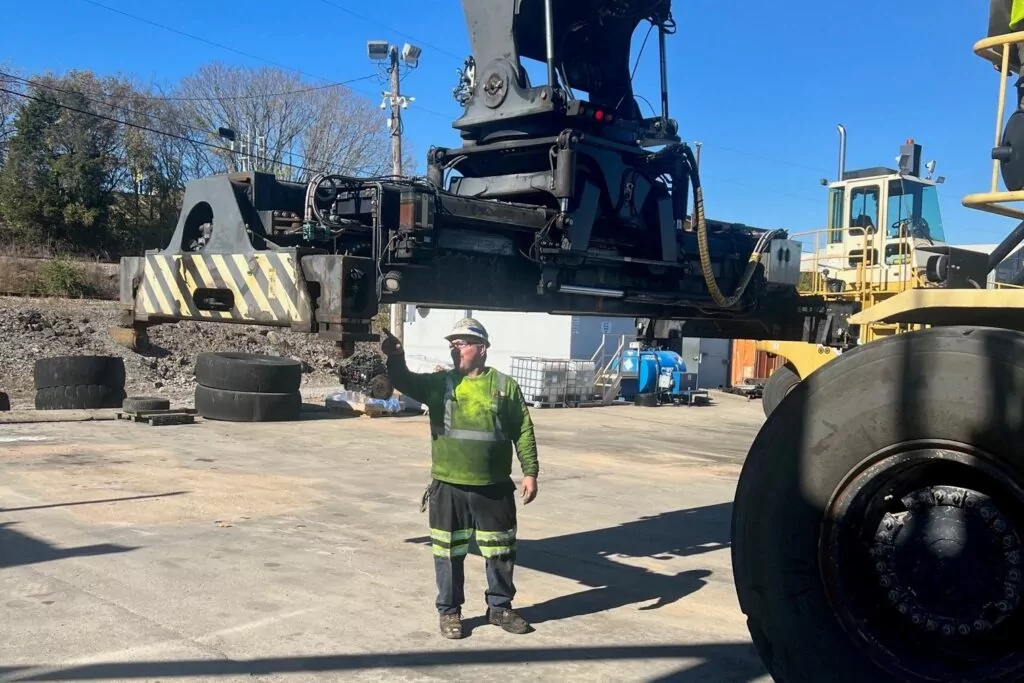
(395, 126)
(396, 114)
(380, 51)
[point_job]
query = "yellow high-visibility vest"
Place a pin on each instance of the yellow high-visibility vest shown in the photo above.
(1016, 15)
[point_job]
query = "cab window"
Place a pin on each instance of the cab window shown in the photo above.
(835, 214)
(864, 210)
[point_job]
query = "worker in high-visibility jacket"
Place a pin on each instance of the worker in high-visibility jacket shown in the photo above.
(477, 416)
(1007, 16)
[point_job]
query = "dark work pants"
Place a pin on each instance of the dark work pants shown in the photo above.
(457, 513)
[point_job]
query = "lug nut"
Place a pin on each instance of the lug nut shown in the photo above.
(1013, 575)
(902, 609)
(885, 582)
(1010, 592)
(917, 619)
(987, 512)
(999, 525)
(893, 596)
(931, 625)
(1013, 557)
(1007, 541)
(1003, 606)
(880, 566)
(964, 629)
(947, 629)
(980, 625)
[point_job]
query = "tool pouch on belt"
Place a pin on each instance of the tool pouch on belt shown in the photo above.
(426, 494)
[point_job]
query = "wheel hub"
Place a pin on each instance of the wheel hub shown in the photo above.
(921, 560)
(950, 563)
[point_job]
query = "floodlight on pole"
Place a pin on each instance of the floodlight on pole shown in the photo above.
(377, 50)
(411, 55)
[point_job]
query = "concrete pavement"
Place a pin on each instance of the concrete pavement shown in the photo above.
(296, 552)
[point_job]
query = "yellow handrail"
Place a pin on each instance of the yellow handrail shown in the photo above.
(996, 49)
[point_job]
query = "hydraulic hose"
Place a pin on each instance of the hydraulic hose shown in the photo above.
(704, 250)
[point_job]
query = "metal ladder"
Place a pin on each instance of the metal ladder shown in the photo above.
(607, 380)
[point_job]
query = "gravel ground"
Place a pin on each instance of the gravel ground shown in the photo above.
(39, 328)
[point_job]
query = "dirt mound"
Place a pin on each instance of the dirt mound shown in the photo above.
(38, 328)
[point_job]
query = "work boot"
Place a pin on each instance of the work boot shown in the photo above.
(451, 626)
(508, 619)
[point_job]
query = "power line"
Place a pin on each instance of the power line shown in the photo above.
(172, 122)
(392, 29)
(203, 40)
(230, 98)
(179, 32)
(183, 138)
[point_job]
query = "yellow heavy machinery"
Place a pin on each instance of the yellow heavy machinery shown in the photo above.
(879, 219)
(878, 519)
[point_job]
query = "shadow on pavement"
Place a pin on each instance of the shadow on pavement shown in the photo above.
(585, 557)
(719, 662)
(18, 549)
(93, 502)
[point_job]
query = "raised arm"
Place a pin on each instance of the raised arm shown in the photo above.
(427, 388)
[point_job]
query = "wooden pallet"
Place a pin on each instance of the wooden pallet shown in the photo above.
(157, 418)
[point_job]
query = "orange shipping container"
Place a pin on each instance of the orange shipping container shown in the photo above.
(747, 363)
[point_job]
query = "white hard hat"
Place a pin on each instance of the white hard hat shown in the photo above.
(469, 328)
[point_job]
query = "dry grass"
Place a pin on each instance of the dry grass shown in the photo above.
(59, 277)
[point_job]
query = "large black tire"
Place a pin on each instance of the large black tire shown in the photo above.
(136, 404)
(243, 406)
(64, 371)
(5, 402)
(79, 397)
(958, 385)
(778, 387)
(232, 371)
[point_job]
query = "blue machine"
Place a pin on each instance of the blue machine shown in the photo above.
(650, 371)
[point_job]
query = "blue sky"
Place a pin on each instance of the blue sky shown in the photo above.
(765, 109)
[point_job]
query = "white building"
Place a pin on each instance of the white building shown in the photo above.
(540, 335)
(563, 337)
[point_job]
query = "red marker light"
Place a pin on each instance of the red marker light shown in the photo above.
(599, 115)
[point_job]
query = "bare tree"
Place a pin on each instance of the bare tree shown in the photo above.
(9, 105)
(303, 128)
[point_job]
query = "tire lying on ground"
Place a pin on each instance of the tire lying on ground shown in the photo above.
(5, 402)
(878, 519)
(79, 382)
(66, 371)
(247, 406)
(246, 387)
(142, 403)
(234, 371)
(778, 387)
(79, 397)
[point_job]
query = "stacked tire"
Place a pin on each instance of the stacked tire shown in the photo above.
(246, 387)
(79, 382)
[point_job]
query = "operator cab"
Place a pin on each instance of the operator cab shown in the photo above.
(878, 218)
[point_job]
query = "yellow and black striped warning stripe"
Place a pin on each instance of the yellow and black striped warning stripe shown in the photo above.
(265, 286)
